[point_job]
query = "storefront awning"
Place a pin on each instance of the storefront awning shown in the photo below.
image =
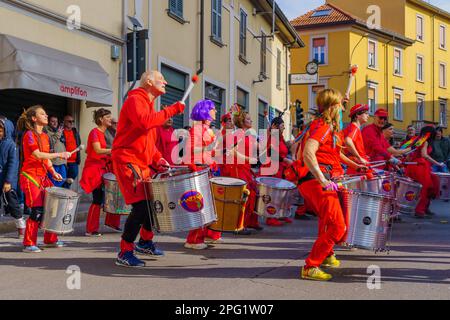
(28, 65)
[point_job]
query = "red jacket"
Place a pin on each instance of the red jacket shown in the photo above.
(375, 143)
(135, 141)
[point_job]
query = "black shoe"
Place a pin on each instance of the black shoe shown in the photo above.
(257, 228)
(430, 213)
(243, 232)
(312, 214)
(302, 217)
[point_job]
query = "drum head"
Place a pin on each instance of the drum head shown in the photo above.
(276, 183)
(109, 176)
(226, 181)
(61, 192)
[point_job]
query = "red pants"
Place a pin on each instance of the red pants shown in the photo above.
(197, 236)
(93, 219)
(31, 234)
(331, 221)
(430, 185)
(303, 209)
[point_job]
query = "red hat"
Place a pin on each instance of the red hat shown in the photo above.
(382, 113)
(358, 108)
(225, 117)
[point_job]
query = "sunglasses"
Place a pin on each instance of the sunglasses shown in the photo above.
(383, 118)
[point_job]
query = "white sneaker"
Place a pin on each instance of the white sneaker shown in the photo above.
(212, 241)
(196, 246)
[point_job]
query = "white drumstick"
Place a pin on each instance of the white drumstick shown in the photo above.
(190, 88)
(80, 148)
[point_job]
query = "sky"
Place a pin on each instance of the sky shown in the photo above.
(295, 8)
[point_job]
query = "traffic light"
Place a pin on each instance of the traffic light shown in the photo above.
(299, 114)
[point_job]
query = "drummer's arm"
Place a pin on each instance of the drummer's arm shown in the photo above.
(352, 148)
(99, 150)
(426, 156)
(398, 152)
(309, 157)
(349, 162)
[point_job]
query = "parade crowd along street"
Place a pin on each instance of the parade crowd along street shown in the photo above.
(210, 182)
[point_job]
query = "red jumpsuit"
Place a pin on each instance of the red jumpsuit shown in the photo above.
(33, 173)
(206, 138)
(135, 147)
(354, 132)
(422, 174)
(95, 167)
(375, 143)
(325, 203)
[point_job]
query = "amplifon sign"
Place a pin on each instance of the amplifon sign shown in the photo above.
(73, 91)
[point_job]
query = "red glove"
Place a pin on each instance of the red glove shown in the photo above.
(179, 107)
(162, 165)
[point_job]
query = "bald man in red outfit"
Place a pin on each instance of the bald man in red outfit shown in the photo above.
(134, 151)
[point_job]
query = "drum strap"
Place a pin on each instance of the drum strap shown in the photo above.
(32, 180)
(136, 175)
(326, 169)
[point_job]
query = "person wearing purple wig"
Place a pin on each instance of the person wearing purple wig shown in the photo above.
(201, 136)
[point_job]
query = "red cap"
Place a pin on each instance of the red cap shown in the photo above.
(382, 113)
(358, 108)
(225, 117)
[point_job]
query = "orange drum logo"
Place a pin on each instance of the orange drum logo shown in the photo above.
(192, 201)
(221, 190)
(271, 210)
(387, 186)
(410, 196)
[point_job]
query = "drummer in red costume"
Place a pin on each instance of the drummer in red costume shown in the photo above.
(201, 140)
(134, 150)
(375, 143)
(98, 163)
(353, 136)
(422, 173)
(226, 133)
(322, 155)
(166, 143)
(33, 177)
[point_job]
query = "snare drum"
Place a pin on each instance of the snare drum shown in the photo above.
(407, 194)
(114, 202)
(444, 185)
(230, 196)
(274, 198)
(60, 207)
(181, 200)
(382, 185)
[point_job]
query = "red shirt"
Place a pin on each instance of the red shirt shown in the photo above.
(353, 132)
(375, 143)
(31, 143)
(330, 146)
(201, 136)
(96, 135)
(71, 145)
(166, 144)
(280, 151)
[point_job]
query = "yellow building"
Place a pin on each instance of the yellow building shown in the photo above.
(402, 60)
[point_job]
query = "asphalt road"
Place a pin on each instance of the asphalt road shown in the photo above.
(263, 266)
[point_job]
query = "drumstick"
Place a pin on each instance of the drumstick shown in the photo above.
(80, 148)
(190, 88)
(353, 71)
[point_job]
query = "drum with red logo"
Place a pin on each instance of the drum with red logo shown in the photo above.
(444, 185)
(383, 184)
(230, 196)
(274, 198)
(407, 194)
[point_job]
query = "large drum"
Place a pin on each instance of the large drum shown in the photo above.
(369, 220)
(382, 185)
(114, 201)
(60, 207)
(181, 200)
(444, 182)
(407, 194)
(274, 198)
(230, 196)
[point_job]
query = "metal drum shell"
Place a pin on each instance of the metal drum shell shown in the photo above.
(60, 208)
(230, 202)
(114, 202)
(407, 194)
(369, 225)
(444, 185)
(172, 198)
(383, 185)
(272, 201)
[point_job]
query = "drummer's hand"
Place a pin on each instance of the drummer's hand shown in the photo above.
(64, 155)
(442, 164)
(363, 161)
(163, 165)
(362, 168)
(330, 185)
(57, 177)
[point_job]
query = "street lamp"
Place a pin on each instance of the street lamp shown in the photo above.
(351, 58)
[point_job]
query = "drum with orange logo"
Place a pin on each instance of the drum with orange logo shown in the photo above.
(230, 196)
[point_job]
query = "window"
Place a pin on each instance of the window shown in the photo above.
(216, 19)
(314, 91)
(372, 93)
(216, 95)
(321, 13)
(442, 37)
(176, 8)
(398, 106)
(242, 99)
(419, 28)
(443, 113)
(262, 120)
(420, 108)
(174, 91)
(398, 62)
(442, 75)
(278, 68)
(263, 69)
(419, 69)
(372, 54)
(319, 50)
(243, 35)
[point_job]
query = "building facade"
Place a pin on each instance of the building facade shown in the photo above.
(402, 62)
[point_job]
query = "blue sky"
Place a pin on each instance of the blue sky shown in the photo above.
(295, 8)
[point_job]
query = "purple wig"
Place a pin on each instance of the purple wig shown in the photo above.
(201, 111)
